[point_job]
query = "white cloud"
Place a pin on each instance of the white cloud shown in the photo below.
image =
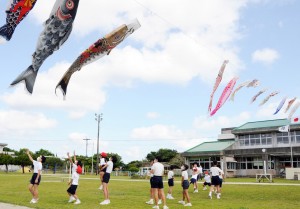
(266, 56)
(157, 132)
(153, 115)
(23, 123)
(214, 125)
(81, 96)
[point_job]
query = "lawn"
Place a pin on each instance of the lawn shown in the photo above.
(132, 194)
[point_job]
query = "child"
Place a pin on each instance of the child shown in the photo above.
(74, 181)
(215, 180)
(194, 178)
(221, 177)
(185, 186)
(36, 176)
(103, 155)
(151, 201)
(108, 167)
(207, 180)
(170, 182)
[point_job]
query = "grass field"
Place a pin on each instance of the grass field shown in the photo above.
(132, 194)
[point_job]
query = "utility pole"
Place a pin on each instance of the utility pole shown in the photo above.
(98, 118)
(86, 144)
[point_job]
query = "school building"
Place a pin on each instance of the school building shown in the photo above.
(244, 150)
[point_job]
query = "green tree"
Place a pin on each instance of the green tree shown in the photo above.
(52, 163)
(6, 160)
(178, 160)
(164, 155)
(133, 166)
(22, 159)
(151, 156)
(43, 152)
(6, 149)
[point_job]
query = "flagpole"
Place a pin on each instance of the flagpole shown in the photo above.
(290, 139)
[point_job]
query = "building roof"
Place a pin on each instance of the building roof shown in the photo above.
(261, 126)
(213, 146)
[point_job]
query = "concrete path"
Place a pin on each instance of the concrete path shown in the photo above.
(10, 206)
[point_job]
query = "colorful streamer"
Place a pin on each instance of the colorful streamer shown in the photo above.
(280, 105)
(226, 93)
(218, 81)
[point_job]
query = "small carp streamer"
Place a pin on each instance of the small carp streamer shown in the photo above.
(217, 83)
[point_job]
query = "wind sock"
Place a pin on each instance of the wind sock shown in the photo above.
(290, 103)
(15, 13)
(218, 81)
(268, 97)
(238, 88)
(253, 83)
(57, 29)
(226, 93)
(101, 47)
(293, 110)
(258, 94)
(280, 105)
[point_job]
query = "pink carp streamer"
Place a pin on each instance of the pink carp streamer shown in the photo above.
(258, 94)
(218, 81)
(268, 97)
(293, 110)
(290, 103)
(226, 93)
(280, 105)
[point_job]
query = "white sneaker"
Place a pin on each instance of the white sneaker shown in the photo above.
(150, 202)
(165, 207)
(196, 191)
(218, 196)
(204, 188)
(71, 199)
(155, 207)
(77, 202)
(105, 202)
(181, 202)
(159, 202)
(101, 187)
(188, 204)
(171, 198)
(33, 201)
(210, 197)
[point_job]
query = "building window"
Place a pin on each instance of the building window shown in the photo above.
(256, 139)
(231, 165)
(282, 138)
(295, 136)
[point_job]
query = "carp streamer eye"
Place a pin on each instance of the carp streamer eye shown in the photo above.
(70, 4)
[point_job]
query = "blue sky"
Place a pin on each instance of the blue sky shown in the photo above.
(153, 89)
